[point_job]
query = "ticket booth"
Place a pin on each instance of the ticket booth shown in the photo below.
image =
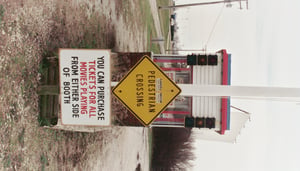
(201, 69)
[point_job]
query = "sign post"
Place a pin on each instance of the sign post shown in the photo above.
(85, 87)
(146, 90)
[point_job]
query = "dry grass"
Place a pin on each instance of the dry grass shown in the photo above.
(29, 31)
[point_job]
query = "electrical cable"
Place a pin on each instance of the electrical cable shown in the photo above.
(214, 26)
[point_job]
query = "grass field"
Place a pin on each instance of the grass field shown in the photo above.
(164, 16)
(149, 23)
(32, 30)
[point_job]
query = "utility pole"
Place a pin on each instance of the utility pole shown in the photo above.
(204, 3)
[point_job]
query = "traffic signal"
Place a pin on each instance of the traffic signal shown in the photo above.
(202, 59)
(191, 59)
(212, 60)
(210, 123)
(200, 122)
(189, 122)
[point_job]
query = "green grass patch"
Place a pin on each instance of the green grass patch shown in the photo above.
(149, 23)
(44, 161)
(164, 16)
(127, 12)
(7, 161)
(21, 137)
(155, 48)
(2, 11)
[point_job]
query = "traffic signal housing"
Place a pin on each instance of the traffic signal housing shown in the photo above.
(200, 123)
(202, 59)
(210, 123)
(194, 59)
(191, 59)
(212, 60)
(189, 122)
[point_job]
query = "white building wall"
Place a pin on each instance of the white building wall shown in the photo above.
(205, 106)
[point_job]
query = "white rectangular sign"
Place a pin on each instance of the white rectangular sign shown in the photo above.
(85, 86)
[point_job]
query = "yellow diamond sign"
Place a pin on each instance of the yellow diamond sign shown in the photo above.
(146, 90)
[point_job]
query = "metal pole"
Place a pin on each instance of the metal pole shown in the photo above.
(239, 91)
(239, 109)
(197, 4)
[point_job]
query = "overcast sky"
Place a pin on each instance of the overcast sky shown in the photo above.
(263, 42)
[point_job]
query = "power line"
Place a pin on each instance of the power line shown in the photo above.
(214, 26)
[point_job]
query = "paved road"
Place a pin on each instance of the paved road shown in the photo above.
(154, 10)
